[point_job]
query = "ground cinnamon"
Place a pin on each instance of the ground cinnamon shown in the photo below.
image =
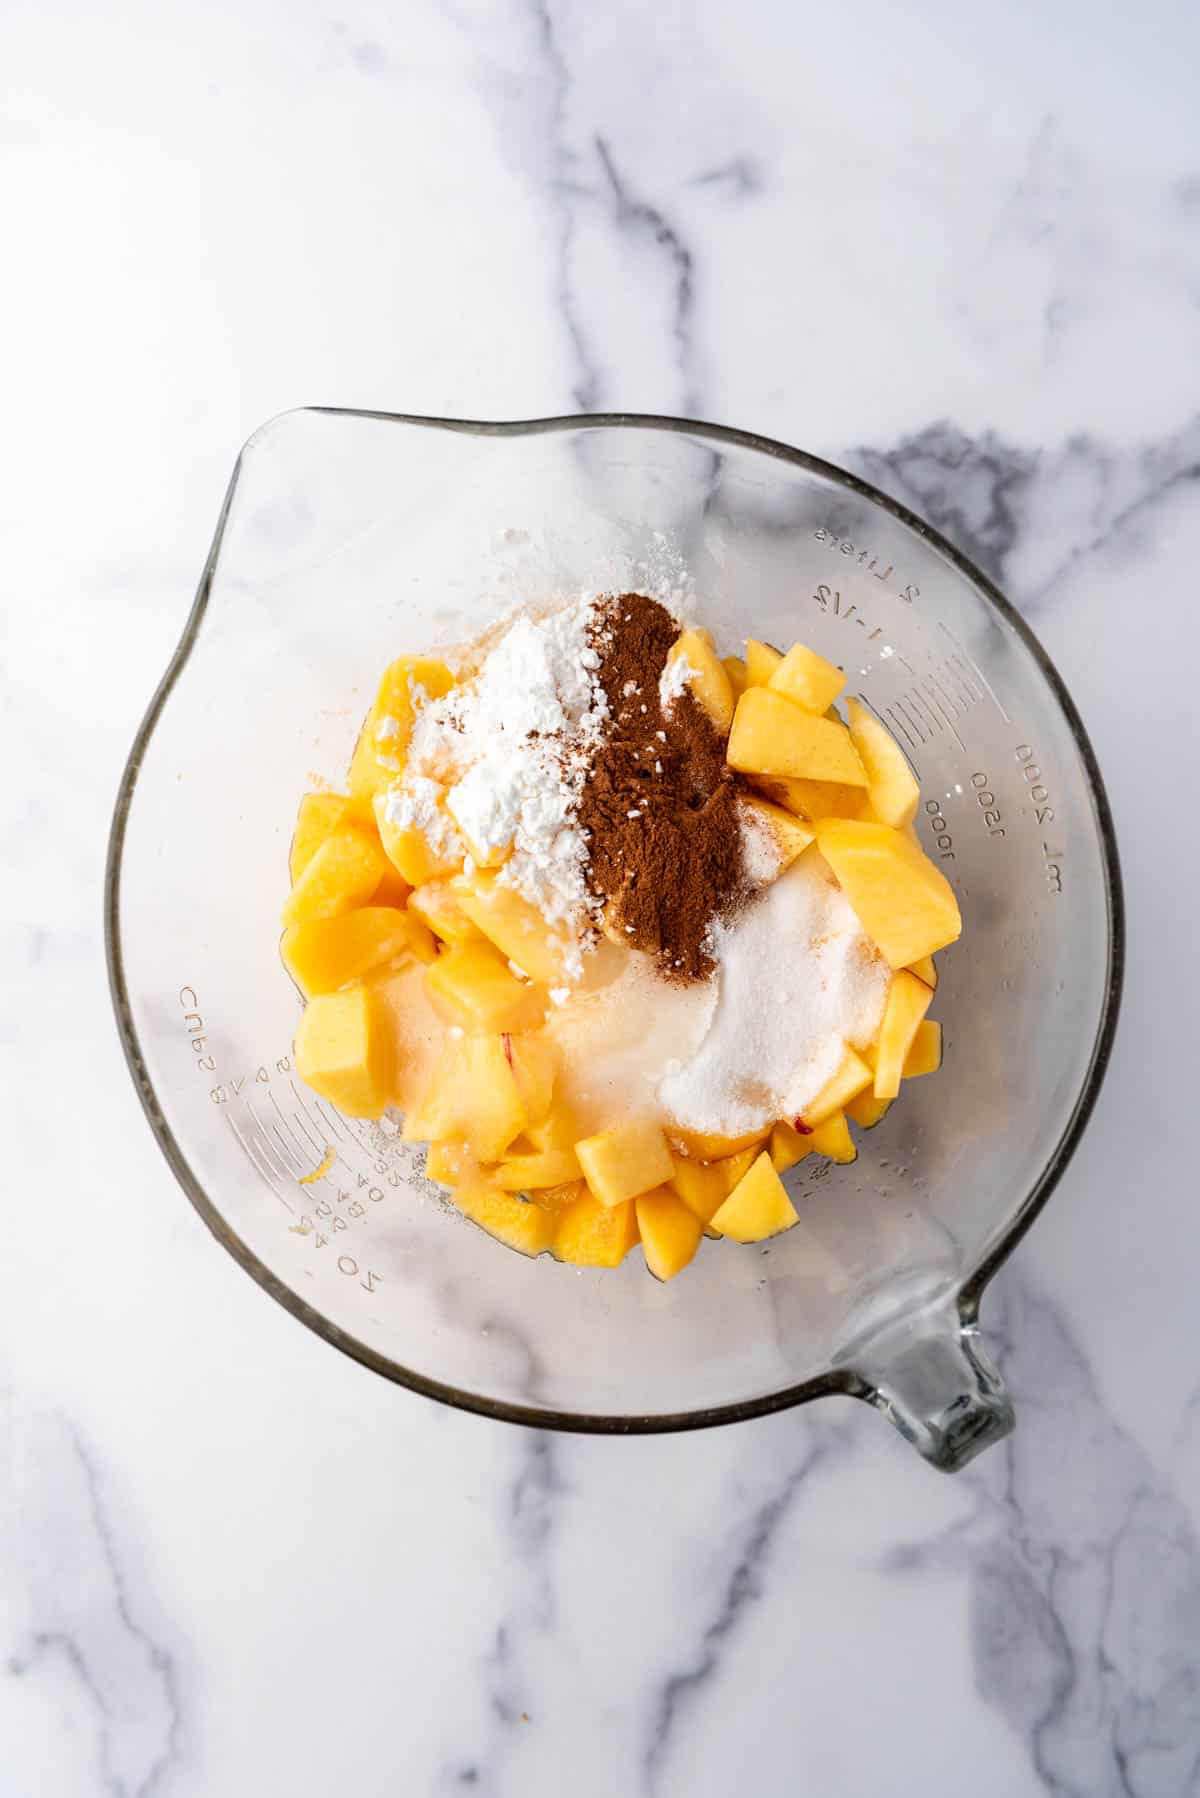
(659, 804)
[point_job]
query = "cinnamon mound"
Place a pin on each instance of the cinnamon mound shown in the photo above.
(659, 804)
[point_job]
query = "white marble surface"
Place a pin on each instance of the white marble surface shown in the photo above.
(956, 247)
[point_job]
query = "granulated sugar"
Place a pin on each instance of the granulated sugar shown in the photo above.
(797, 980)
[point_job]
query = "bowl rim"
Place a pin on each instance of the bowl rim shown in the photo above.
(834, 1380)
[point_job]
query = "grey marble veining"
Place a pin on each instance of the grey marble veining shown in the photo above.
(967, 264)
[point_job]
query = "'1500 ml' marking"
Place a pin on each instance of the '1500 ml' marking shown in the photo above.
(987, 804)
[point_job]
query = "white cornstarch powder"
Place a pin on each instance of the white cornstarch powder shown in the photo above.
(797, 980)
(674, 680)
(508, 753)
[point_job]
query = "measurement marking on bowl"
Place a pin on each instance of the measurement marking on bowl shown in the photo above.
(902, 730)
(268, 1182)
(318, 1146)
(975, 673)
(296, 1150)
(912, 718)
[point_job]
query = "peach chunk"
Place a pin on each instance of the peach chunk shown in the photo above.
(771, 735)
(762, 659)
(419, 857)
(436, 903)
(669, 1229)
(320, 814)
(517, 927)
(383, 741)
(833, 1138)
(925, 969)
(891, 785)
(811, 799)
(908, 1000)
(590, 1234)
(472, 985)
(735, 668)
(925, 1055)
(867, 1110)
(700, 1184)
(449, 1162)
(527, 1228)
(527, 1173)
(850, 1079)
(789, 836)
(757, 1207)
(629, 1159)
(342, 873)
(788, 1146)
(345, 1051)
(472, 1097)
(807, 679)
(706, 1145)
(707, 677)
(323, 954)
(903, 902)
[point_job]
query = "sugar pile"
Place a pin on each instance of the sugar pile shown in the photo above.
(798, 980)
(507, 752)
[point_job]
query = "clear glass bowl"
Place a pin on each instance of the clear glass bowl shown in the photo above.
(346, 538)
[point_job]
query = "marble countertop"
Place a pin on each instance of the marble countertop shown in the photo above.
(956, 251)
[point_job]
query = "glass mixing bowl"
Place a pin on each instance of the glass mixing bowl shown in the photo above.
(346, 538)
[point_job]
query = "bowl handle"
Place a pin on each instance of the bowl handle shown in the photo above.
(932, 1378)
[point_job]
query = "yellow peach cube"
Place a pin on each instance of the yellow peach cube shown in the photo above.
(735, 668)
(788, 1146)
(527, 1228)
(342, 873)
(394, 890)
(771, 735)
(706, 676)
(908, 1000)
(436, 904)
(925, 1055)
(449, 1162)
(833, 1138)
(320, 814)
(545, 1168)
(517, 927)
(700, 1184)
(472, 1096)
(807, 679)
(558, 1199)
(629, 1159)
(902, 901)
(707, 1145)
(811, 800)
(891, 785)
(762, 659)
(472, 985)
(670, 1232)
(407, 684)
(788, 835)
(925, 969)
(757, 1207)
(557, 1129)
(867, 1110)
(851, 1078)
(419, 855)
(589, 1234)
(732, 1168)
(345, 1051)
(323, 954)
(535, 1062)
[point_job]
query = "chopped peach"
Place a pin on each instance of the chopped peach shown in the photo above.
(449, 1162)
(706, 1145)
(707, 679)
(320, 814)
(559, 1198)
(908, 1000)
(770, 735)
(590, 1234)
(472, 1097)
(418, 857)
(811, 800)
(833, 1138)
(903, 902)
(807, 679)
(558, 1129)
(735, 668)
(757, 1207)
(925, 969)
(669, 1229)
(345, 1051)
(629, 1159)
(527, 1228)
(435, 902)
(732, 1167)
(925, 1054)
(891, 785)
(535, 1062)
(517, 927)
(701, 1185)
(762, 659)
(851, 1078)
(789, 836)
(323, 954)
(525, 1173)
(472, 985)
(788, 1146)
(342, 873)
(867, 1110)
(394, 890)
(383, 741)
